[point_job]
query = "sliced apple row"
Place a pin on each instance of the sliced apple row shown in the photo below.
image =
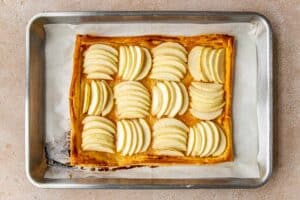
(134, 62)
(207, 64)
(132, 100)
(207, 100)
(100, 62)
(169, 62)
(97, 98)
(98, 134)
(206, 139)
(133, 136)
(169, 98)
(169, 137)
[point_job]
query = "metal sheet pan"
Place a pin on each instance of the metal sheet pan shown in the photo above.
(36, 165)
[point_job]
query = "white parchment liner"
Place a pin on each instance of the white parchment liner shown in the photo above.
(60, 40)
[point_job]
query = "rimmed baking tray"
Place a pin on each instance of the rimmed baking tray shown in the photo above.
(36, 164)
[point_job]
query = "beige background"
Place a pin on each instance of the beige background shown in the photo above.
(284, 16)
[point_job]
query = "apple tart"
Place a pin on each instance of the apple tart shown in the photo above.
(151, 101)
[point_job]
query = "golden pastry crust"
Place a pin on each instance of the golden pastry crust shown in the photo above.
(103, 160)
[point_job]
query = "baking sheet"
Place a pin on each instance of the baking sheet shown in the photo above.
(59, 46)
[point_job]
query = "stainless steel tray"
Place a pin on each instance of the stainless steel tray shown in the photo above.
(35, 99)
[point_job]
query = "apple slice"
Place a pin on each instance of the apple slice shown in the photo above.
(105, 96)
(166, 143)
(173, 130)
(110, 101)
(220, 66)
(211, 65)
(97, 138)
(86, 97)
(165, 101)
(177, 64)
(89, 119)
(165, 76)
(167, 69)
(206, 115)
(205, 63)
(147, 134)
(131, 60)
(99, 125)
(132, 103)
(132, 97)
(191, 142)
(130, 85)
(100, 100)
(168, 152)
(133, 86)
(143, 94)
(129, 137)
(203, 99)
(122, 60)
(95, 52)
(134, 59)
(172, 45)
(92, 119)
(170, 135)
(216, 101)
(105, 47)
(97, 147)
(98, 68)
(99, 75)
(147, 64)
(140, 136)
(133, 110)
(171, 100)
(95, 96)
(94, 55)
(131, 115)
(205, 95)
(208, 87)
(168, 51)
(97, 131)
(165, 122)
(165, 58)
(207, 107)
(197, 141)
(194, 63)
(156, 100)
(202, 107)
(209, 139)
(222, 145)
(121, 136)
(202, 64)
(133, 144)
(178, 100)
(99, 62)
(185, 103)
(140, 57)
(203, 139)
(216, 136)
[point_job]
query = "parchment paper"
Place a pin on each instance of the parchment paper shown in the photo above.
(60, 40)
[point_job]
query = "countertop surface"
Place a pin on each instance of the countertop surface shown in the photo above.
(284, 16)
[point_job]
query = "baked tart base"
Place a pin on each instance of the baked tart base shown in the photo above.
(79, 157)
